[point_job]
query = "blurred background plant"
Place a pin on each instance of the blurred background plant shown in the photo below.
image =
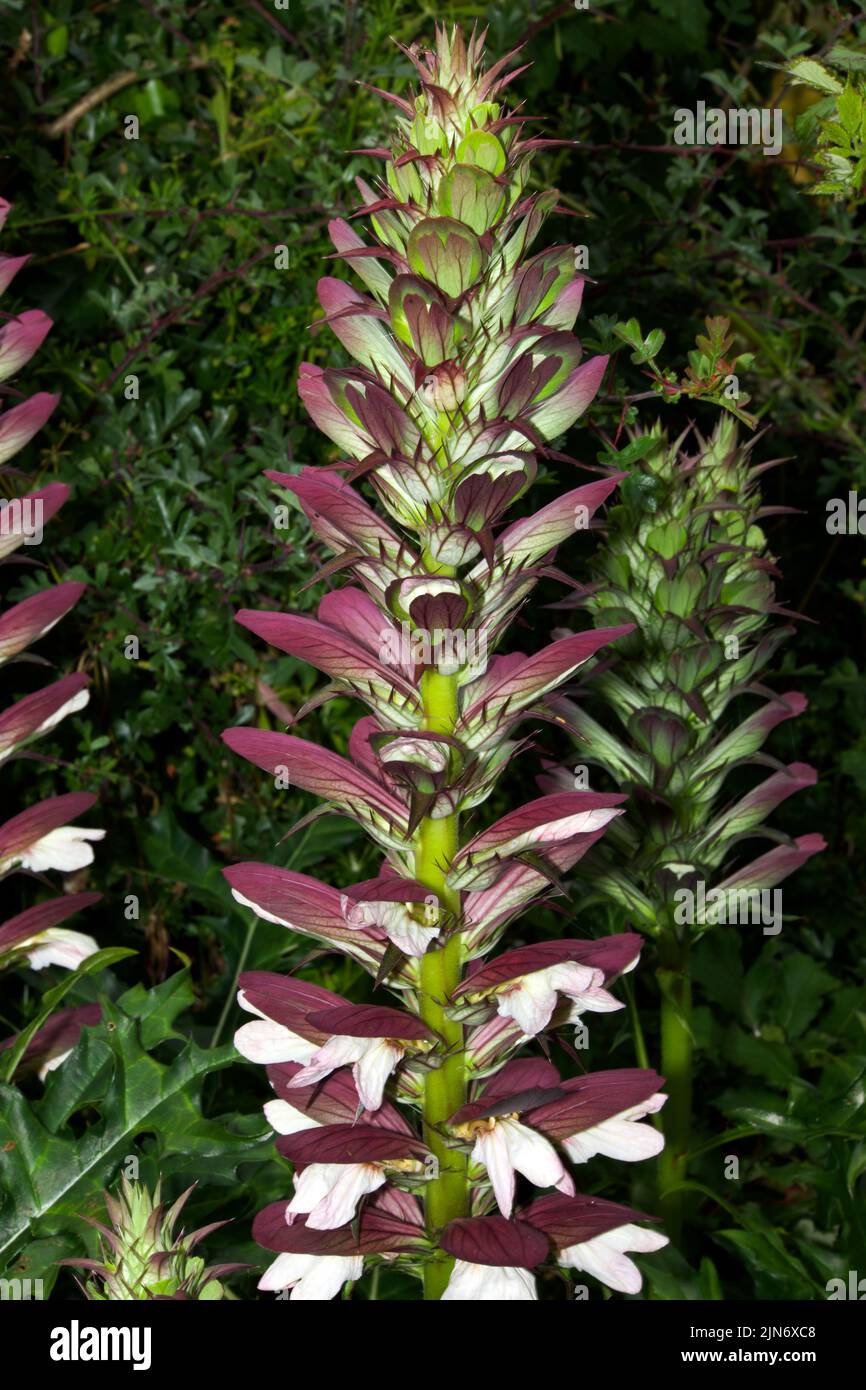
(177, 253)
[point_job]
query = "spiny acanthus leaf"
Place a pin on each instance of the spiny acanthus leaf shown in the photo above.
(52, 1173)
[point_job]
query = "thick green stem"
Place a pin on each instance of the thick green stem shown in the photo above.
(676, 1067)
(446, 1196)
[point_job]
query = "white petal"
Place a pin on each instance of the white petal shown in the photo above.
(57, 946)
(395, 919)
(489, 1284)
(311, 1277)
(284, 1271)
(244, 1003)
(326, 1277)
(65, 848)
(53, 1063)
(411, 938)
(604, 1256)
(610, 1267)
(72, 706)
(311, 1187)
(491, 1149)
(260, 912)
(336, 1052)
(535, 1157)
(285, 1119)
(373, 1069)
(554, 832)
(646, 1107)
(570, 977)
(596, 1001)
(268, 1043)
(339, 1206)
(530, 1002)
(639, 1238)
(616, 1138)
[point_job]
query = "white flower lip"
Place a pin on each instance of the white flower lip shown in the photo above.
(531, 1000)
(372, 1061)
(508, 1147)
(605, 1256)
(489, 1284)
(328, 1193)
(59, 946)
(66, 849)
(311, 1278)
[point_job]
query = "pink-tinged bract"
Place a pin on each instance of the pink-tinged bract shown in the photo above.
(40, 837)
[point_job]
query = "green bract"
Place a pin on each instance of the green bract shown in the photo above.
(143, 1258)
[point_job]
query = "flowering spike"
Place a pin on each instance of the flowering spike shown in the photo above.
(465, 372)
(686, 556)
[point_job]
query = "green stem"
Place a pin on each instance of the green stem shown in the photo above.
(446, 1196)
(300, 846)
(232, 993)
(676, 1066)
(640, 1048)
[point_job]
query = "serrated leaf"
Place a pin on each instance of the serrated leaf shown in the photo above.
(809, 72)
(49, 1173)
(850, 108)
(100, 960)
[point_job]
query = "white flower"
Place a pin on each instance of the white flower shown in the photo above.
(72, 706)
(372, 1061)
(329, 1193)
(58, 946)
(605, 1257)
(531, 1000)
(621, 1136)
(268, 1042)
(395, 920)
(65, 848)
(409, 936)
(508, 1147)
(285, 1119)
(311, 1278)
(489, 1284)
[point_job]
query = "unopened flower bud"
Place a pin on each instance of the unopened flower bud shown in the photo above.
(445, 386)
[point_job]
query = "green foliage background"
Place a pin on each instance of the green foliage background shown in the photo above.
(155, 257)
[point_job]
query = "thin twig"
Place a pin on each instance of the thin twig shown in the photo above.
(93, 98)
